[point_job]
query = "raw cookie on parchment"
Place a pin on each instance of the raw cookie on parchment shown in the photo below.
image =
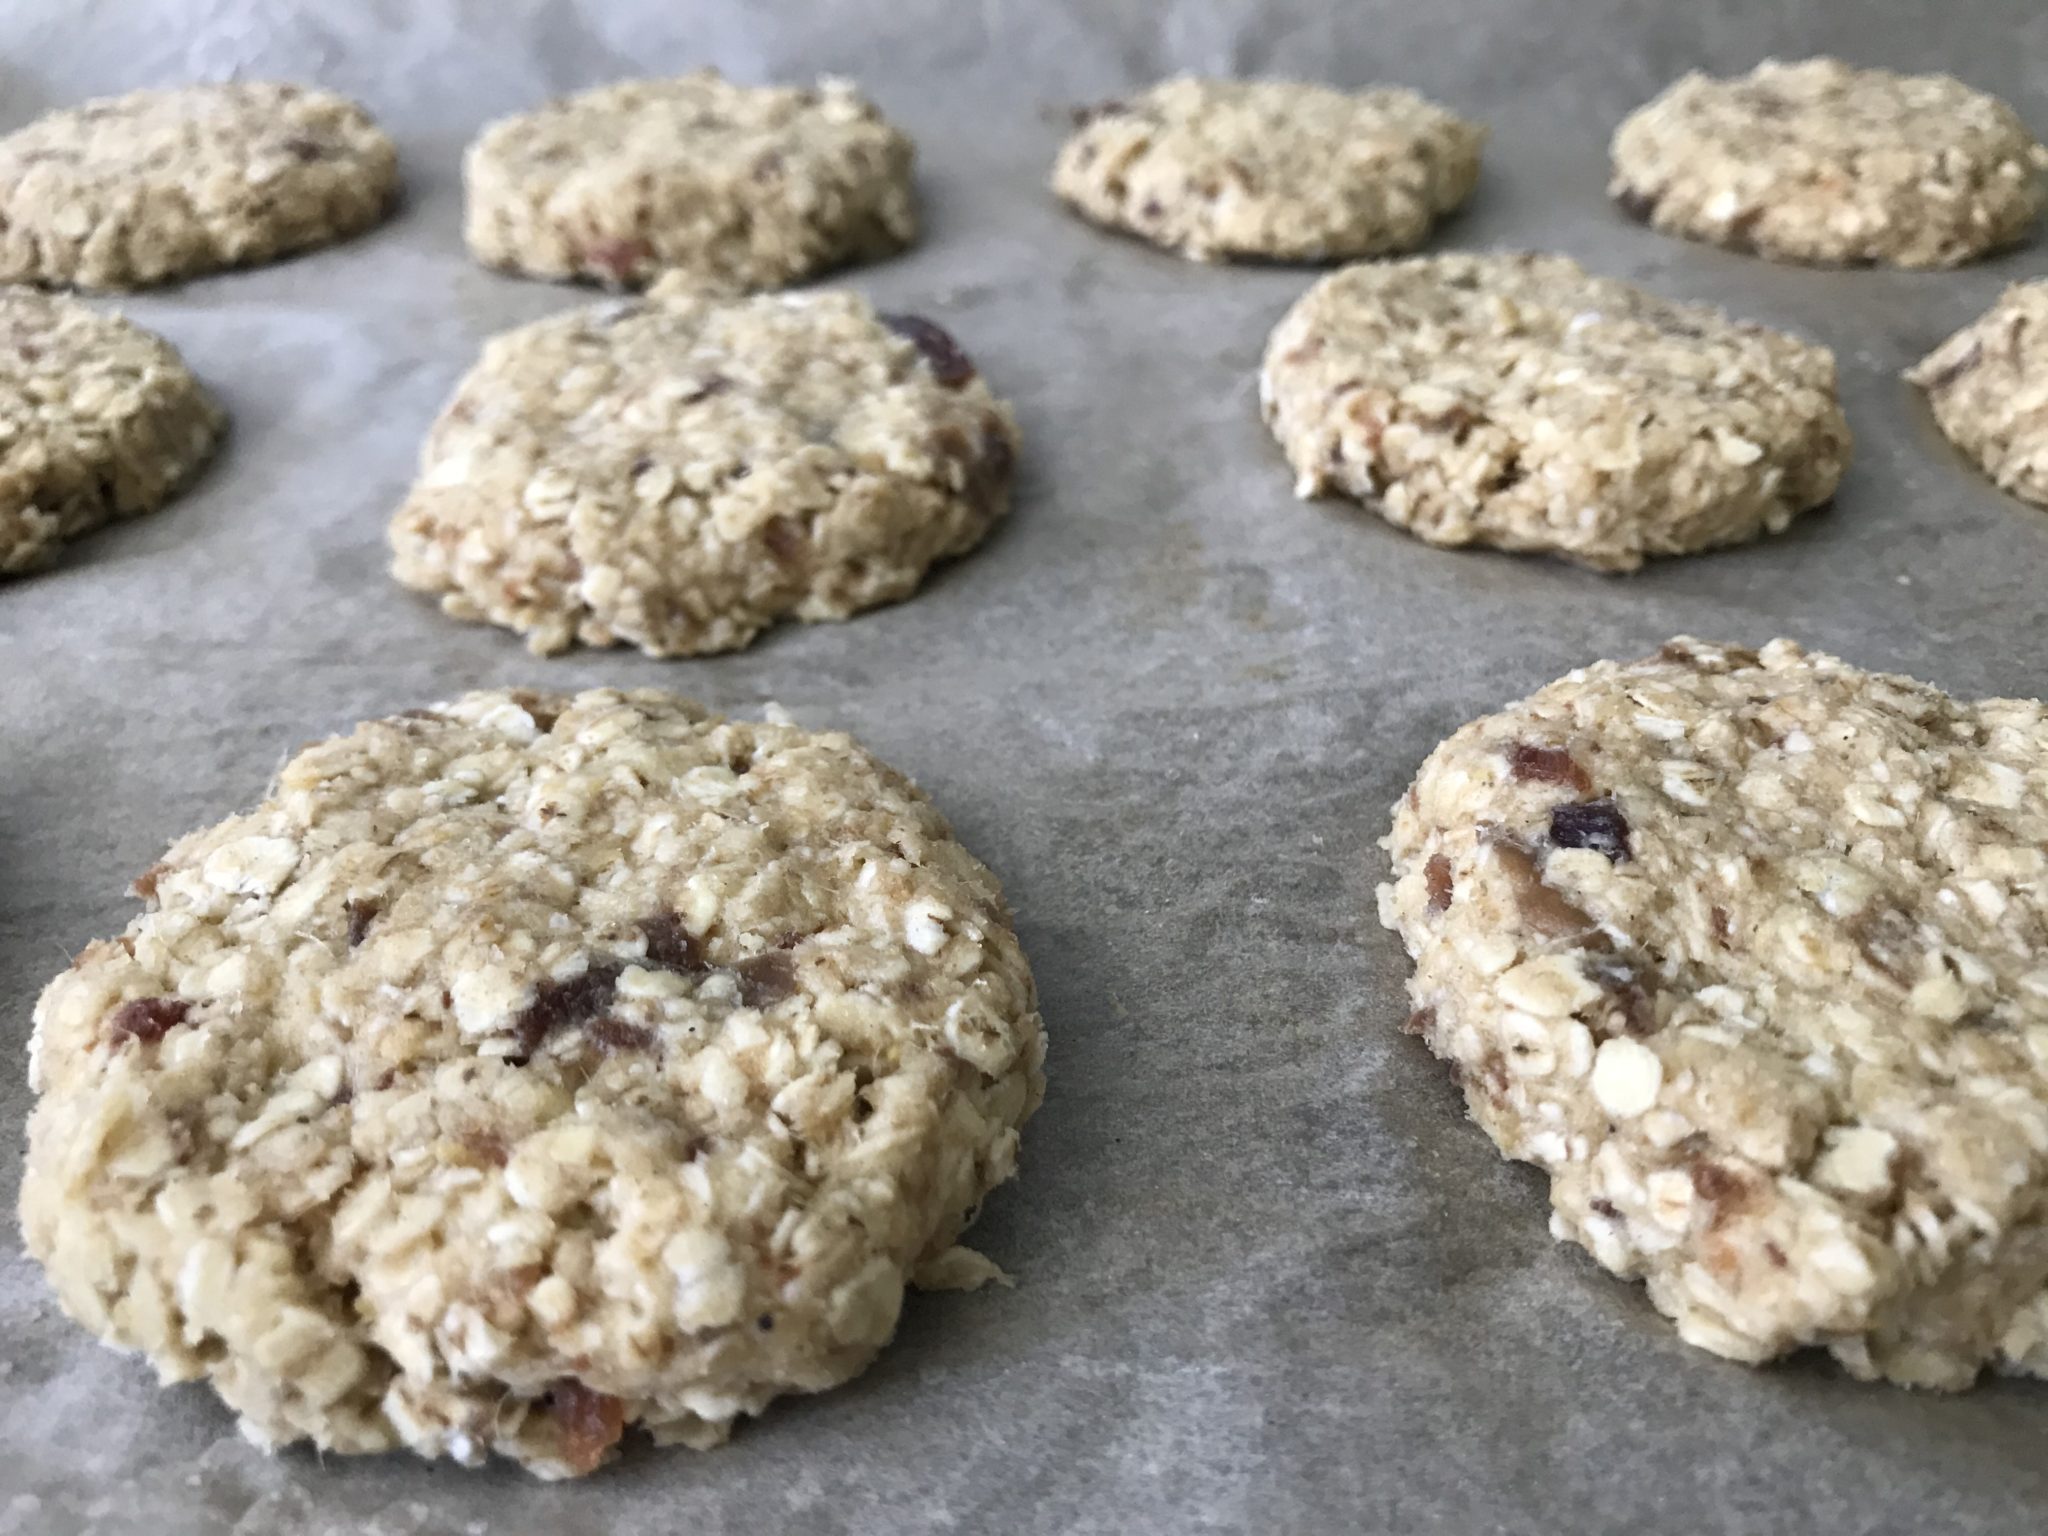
(681, 471)
(1748, 951)
(1819, 161)
(531, 1068)
(1522, 402)
(1270, 169)
(99, 419)
(159, 185)
(1988, 387)
(739, 186)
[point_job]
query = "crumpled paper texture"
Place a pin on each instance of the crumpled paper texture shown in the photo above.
(1268, 1277)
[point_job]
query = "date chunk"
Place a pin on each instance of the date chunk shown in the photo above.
(147, 1019)
(591, 1423)
(949, 365)
(1595, 824)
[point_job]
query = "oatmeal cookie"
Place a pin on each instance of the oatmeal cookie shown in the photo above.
(99, 419)
(1520, 401)
(1272, 169)
(527, 1069)
(1748, 951)
(1988, 388)
(1821, 162)
(159, 185)
(680, 473)
(740, 186)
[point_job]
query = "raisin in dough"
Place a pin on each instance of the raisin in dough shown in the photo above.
(1522, 402)
(530, 1068)
(1988, 387)
(159, 185)
(1821, 162)
(738, 186)
(680, 473)
(1749, 953)
(1270, 169)
(99, 420)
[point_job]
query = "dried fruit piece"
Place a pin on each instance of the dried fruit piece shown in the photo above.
(949, 365)
(1531, 763)
(361, 913)
(671, 945)
(1890, 941)
(617, 260)
(786, 539)
(591, 1423)
(144, 885)
(1540, 905)
(766, 980)
(575, 1001)
(1596, 824)
(1436, 878)
(1639, 206)
(612, 1035)
(147, 1019)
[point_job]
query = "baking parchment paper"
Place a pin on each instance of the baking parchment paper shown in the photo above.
(1268, 1277)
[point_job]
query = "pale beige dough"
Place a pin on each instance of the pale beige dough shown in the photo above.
(1272, 169)
(531, 1068)
(99, 419)
(1522, 402)
(1988, 387)
(745, 187)
(1819, 161)
(1748, 951)
(681, 472)
(159, 185)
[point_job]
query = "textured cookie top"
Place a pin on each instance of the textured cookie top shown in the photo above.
(756, 186)
(1519, 400)
(1750, 950)
(681, 472)
(1819, 161)
(98, 419)
(1988, 386)
(156, 185)
(1270, 168)
(529, 1067)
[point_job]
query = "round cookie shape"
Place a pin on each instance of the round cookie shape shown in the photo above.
(528, 1069)
(747, 187)
(683, 471)
(1270, 169)
(1521, 402)
(1988, 388)
(1745, 951)
(1821, 162)
(99, 419)
(159, 185)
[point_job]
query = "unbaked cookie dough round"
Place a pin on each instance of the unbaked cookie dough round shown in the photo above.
(531, 1068)
(99, 419)
(160, 185)
(1988, 387)
(1520, 401)
(680, 472)
(744, 186)
(1822, 162)
(1745, 951)
(1272, 169)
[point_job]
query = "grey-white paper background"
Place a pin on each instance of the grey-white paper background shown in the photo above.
(1268, 1276)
